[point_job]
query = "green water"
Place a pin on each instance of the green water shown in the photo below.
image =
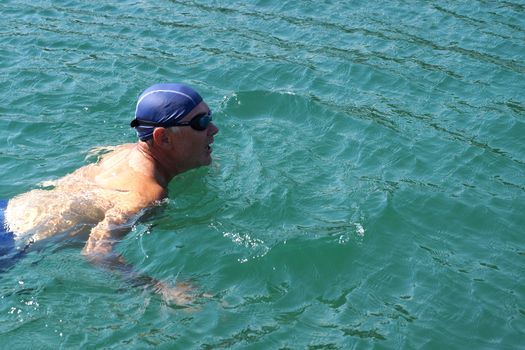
(368, 187)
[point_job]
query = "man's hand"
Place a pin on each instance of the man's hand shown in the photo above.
(180, 294)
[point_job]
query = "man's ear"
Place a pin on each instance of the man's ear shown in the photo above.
(161, 137)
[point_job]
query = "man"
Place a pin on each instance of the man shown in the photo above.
(104, 199)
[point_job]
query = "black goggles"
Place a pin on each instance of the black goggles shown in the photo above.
(200, 122)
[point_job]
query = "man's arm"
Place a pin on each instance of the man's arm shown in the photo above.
(99, 250)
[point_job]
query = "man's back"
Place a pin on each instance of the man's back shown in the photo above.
(81, 200)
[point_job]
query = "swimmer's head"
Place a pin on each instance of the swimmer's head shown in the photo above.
(163, 105)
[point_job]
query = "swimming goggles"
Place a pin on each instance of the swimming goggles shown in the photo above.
(200, 122)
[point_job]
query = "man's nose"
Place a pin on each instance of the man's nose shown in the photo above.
(213, 129)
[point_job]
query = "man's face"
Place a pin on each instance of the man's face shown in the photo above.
(193, 146)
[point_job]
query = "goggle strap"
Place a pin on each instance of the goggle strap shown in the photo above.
(135, 122)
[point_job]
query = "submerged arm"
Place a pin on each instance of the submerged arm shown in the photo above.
(99, 250)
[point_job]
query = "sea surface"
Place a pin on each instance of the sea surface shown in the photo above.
(367, 189)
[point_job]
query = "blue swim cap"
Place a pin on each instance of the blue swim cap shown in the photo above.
(161, 105)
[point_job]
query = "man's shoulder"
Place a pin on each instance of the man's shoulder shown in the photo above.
(137, 198)
(151, 191)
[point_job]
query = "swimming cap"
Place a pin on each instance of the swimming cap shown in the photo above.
(162, 105)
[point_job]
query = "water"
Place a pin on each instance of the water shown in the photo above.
(368, 188)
